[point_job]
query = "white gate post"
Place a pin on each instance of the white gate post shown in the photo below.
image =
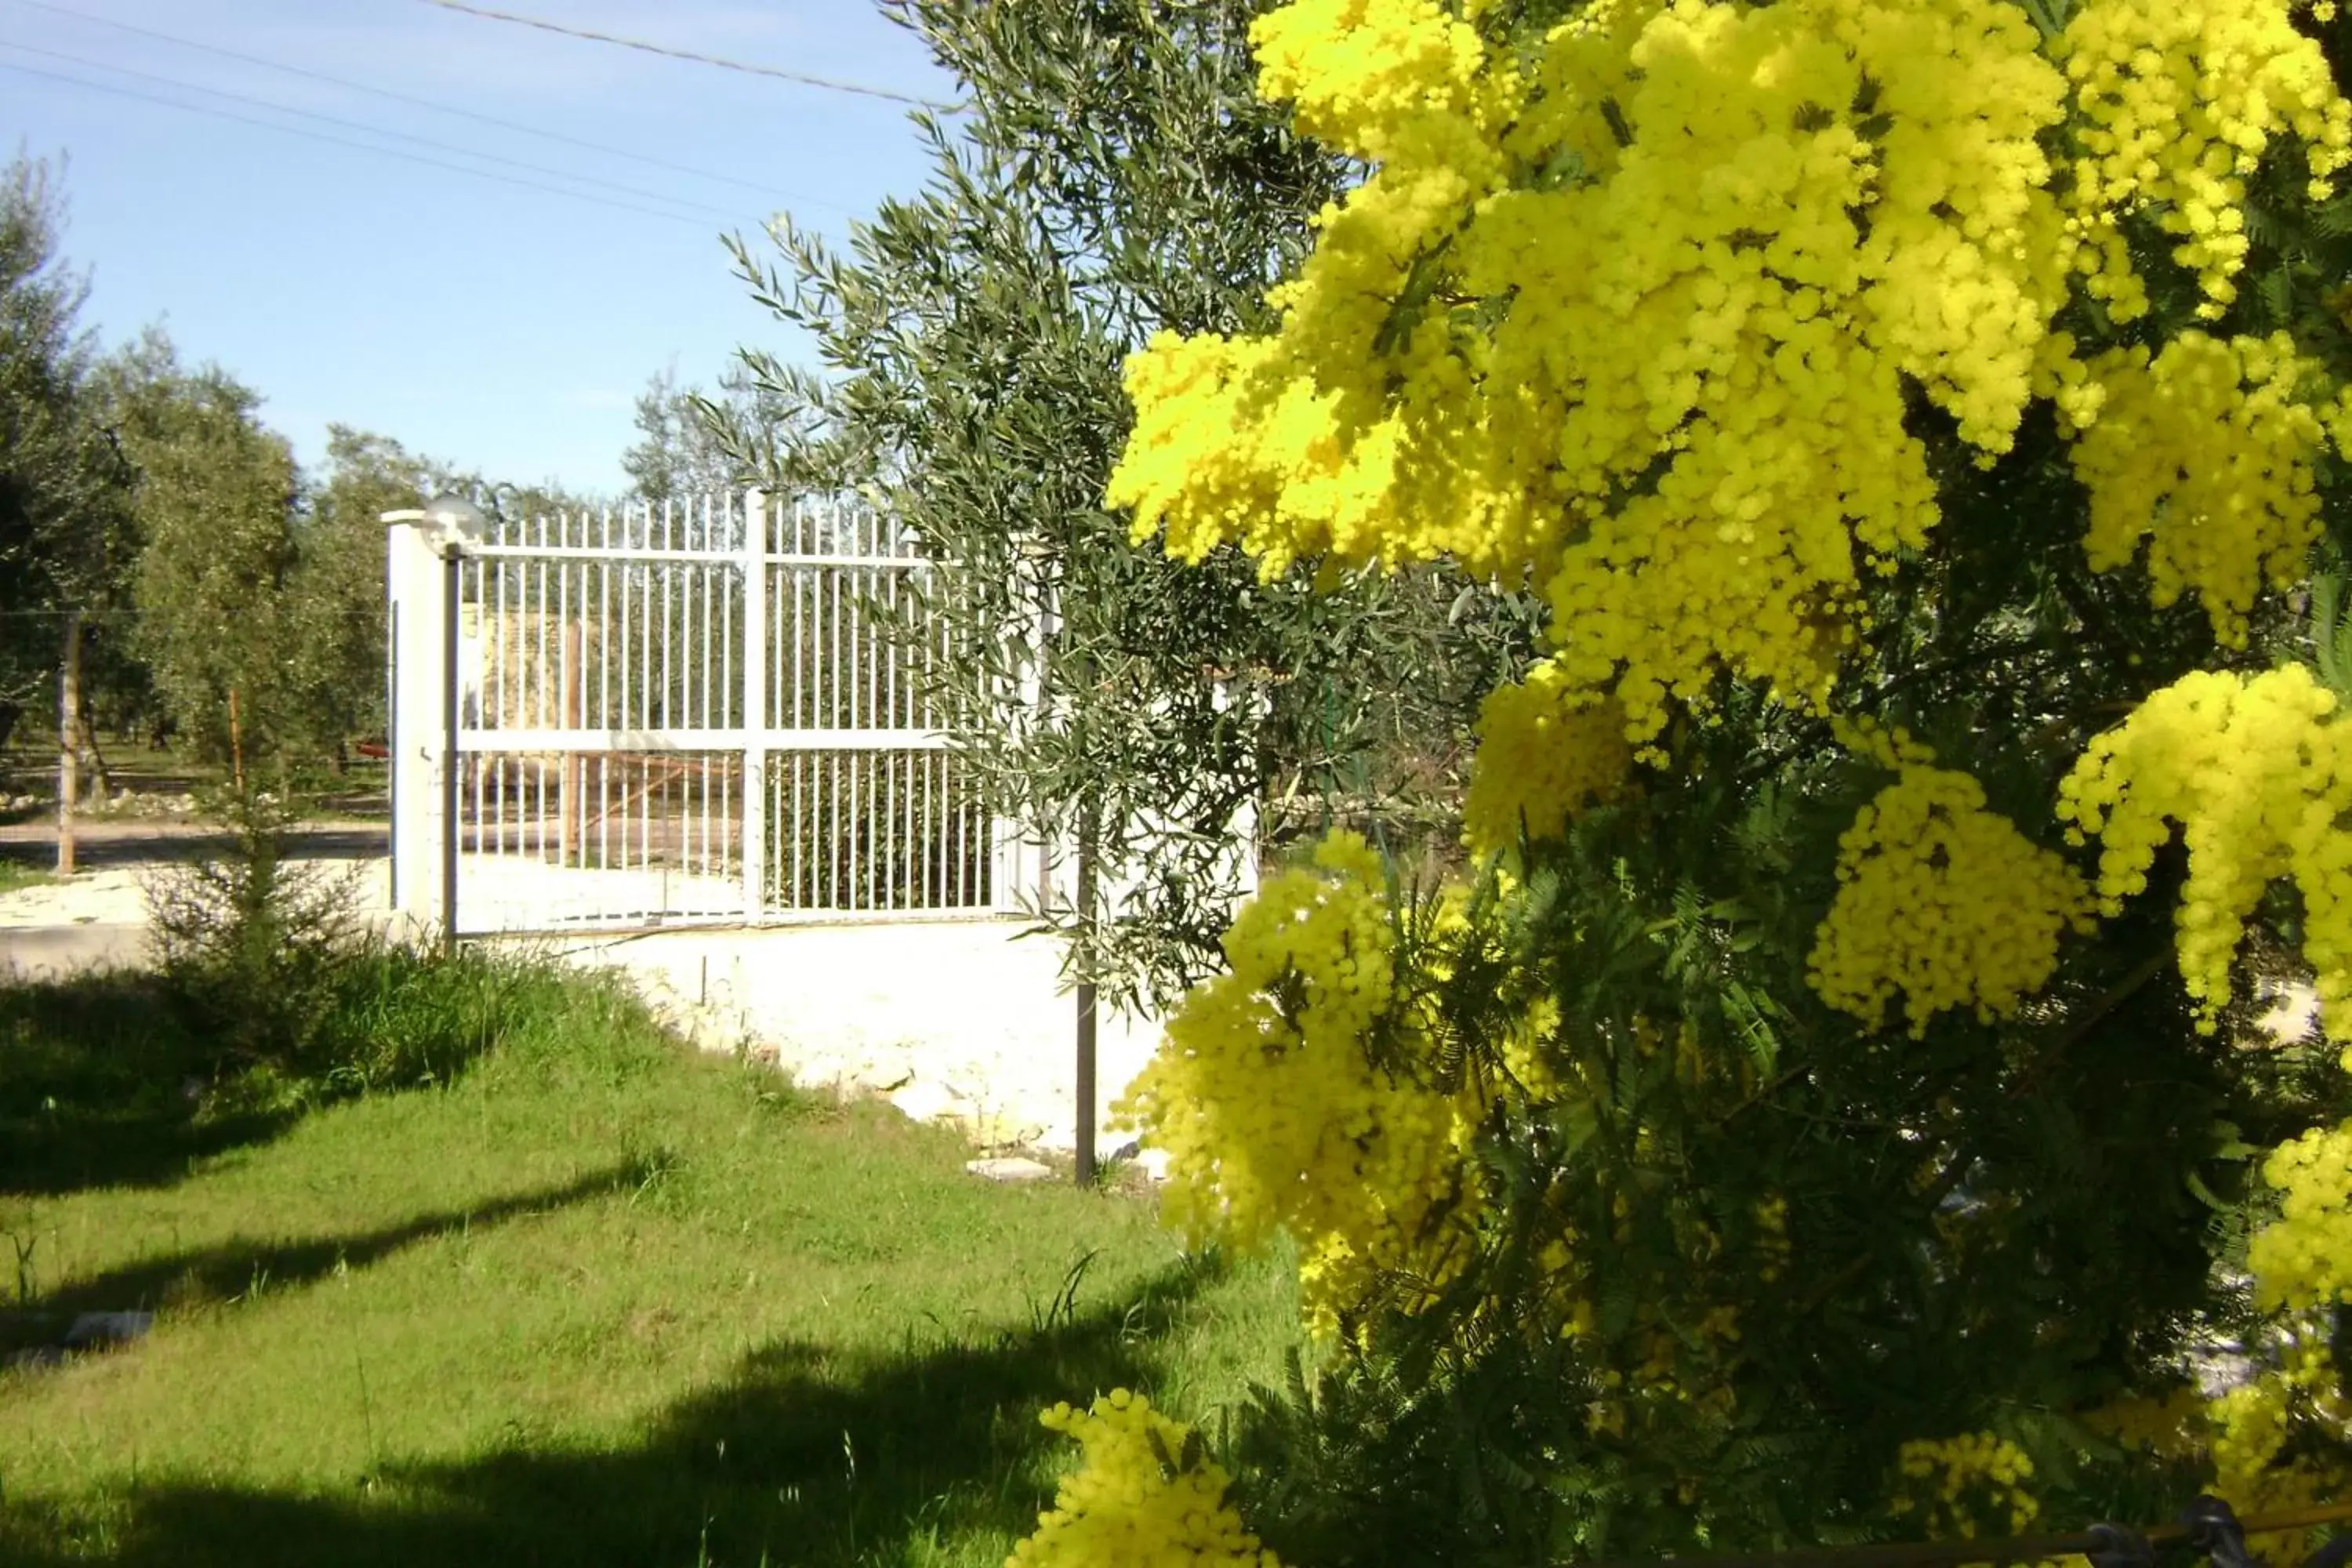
(419, 738)
(756, 654)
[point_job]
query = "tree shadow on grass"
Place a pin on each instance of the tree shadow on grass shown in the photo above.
(100, 1085)
(803, 1455)
(240, 1266)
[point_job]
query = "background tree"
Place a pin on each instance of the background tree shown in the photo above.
(682, 449)
(1111, 175)
(335, 593)
(66, 535)
(214, 500)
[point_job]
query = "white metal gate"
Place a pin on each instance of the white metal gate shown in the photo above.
(678, 714)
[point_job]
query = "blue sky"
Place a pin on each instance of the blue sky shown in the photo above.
(498, 327)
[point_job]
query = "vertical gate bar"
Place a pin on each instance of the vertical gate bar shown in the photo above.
(887, 861)
(944, 802)
(943, 774)
(490, 625)
(754, 571)
(852, 673)
(658, 571)
(924, 703)
(929, 891)
(479, 819)
(695, 648)
(955, 839)
(644, 569)
(607, 641)
(453, 590)
(569, 847)
(494, 699)
(567, 673)
(834, 894)
(860, 862)
(821, 693)
(619, 719)
(727, 622)
(540, 693)
(728, 696)
(536, 770)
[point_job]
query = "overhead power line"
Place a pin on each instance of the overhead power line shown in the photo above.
(347, 142)
(370, 129)
(433, 104)
(724, 64)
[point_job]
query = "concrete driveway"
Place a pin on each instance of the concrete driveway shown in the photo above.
(54, 950)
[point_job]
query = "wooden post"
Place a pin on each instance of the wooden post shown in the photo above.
(574, 849)
(69, 758)
(1089, 828)
(235, 744)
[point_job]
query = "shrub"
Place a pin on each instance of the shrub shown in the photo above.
(251, 943)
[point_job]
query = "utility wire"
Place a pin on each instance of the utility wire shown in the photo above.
(370, 129)
(347, 142)
(721, 62)
(436, 107)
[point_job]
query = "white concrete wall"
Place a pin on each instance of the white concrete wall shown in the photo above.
(954, 1019)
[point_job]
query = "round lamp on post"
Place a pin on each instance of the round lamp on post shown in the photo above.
(459, 519)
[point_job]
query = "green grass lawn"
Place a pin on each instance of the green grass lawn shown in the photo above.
(15, 874)
(595, 1300)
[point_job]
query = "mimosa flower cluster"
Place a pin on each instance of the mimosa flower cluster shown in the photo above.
(2177, 104)
(1958, 1485)
(1633, 309)
(2277, 1442)
(2256, 773)
(1683, 405)
(1942, 904)
(2303, 1259)
(2231, 508)
(1143, 1496)
(1547, 750)
(1271, 1111)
